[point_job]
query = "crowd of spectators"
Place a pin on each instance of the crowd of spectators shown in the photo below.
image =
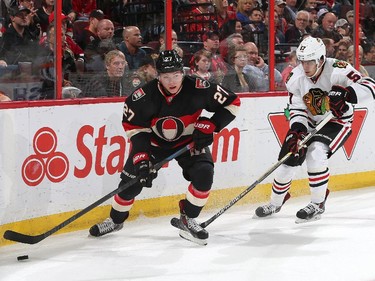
(110, 47)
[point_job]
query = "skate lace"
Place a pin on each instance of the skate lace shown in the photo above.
(192, 224)
(106, 226)
(269, 208)
(311, 208)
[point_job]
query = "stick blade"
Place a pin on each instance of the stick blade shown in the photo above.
(22, 238)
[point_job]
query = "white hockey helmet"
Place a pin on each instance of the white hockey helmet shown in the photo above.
(311, 48)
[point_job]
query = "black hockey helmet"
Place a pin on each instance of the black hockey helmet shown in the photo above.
(169, 61)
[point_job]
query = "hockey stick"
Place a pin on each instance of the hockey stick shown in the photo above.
(33, 239)
(268, 172)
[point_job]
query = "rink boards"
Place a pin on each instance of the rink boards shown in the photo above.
(56, 160)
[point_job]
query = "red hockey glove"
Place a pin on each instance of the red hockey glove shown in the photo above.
(292, 140)
(144, 169)
(338, 96)
(203, 134)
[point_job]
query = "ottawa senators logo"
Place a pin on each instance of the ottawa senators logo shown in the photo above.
(169, 128)
(138, 94)
(201, 84)
(340, 64)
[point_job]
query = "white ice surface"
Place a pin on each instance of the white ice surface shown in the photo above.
(340, 246)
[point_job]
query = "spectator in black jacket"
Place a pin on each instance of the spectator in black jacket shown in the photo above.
(295, 32)
(18, 42)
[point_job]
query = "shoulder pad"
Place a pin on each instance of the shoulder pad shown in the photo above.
(201, 84)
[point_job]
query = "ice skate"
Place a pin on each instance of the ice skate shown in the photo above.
(107, 226)
(312, 212)
(190, 229)
(269, 209)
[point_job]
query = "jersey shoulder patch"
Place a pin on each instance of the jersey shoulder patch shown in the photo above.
(138, 94)
(340, 64)
(289, 76)
(201, 84)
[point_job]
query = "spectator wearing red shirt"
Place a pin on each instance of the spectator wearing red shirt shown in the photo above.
(223, 14)
(83, 8)
(201, 20)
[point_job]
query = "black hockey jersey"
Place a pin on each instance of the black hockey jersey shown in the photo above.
(152, 117)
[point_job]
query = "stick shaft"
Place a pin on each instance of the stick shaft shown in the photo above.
(33, 239)
(267, 173)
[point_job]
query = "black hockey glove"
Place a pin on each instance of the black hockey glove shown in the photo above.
(144, 169)
(338, 96)
(203, 134)
(291, 144)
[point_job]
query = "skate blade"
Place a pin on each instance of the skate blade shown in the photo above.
(187, 236)
(315, 218)
(255, 217)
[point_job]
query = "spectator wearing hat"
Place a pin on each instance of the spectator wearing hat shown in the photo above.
(33, 19)
(320, 14)
(18, 43)
(131, 46)
(327, 28)
(343, 27)
(350, 17)
(89, 33)
(281, 23)
(294, 33)
(43, 13)
(211, 44)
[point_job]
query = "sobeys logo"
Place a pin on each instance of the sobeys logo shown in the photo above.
(46, 161)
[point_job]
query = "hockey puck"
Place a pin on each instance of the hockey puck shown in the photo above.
(21, 258)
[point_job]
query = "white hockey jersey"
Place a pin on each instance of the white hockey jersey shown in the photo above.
(334, 72)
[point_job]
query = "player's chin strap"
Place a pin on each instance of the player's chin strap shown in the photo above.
(268, 172)
(318, 68)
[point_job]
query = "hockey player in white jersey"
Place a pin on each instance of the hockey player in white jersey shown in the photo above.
(317, 85)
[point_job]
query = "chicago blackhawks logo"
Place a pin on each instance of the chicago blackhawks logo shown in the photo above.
(169, 128)
(46, 161)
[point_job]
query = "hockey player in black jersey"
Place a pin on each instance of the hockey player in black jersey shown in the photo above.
(317, 85)
(160, 118)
